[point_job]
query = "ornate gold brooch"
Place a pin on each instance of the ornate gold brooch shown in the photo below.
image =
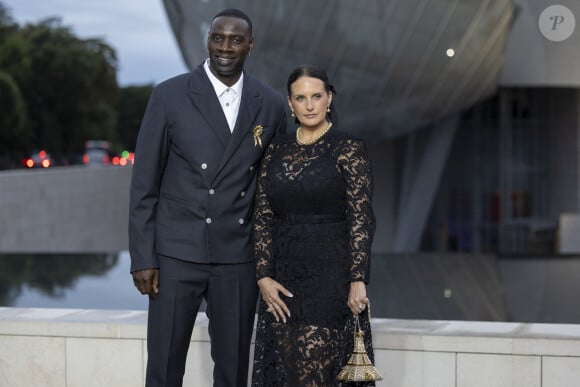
(257, 131)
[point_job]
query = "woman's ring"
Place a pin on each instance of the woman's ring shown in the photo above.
(361, 306)
(270, 309)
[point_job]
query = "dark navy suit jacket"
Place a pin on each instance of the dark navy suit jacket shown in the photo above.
(193, 181)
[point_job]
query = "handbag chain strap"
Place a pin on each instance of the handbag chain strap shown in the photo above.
(357, 322)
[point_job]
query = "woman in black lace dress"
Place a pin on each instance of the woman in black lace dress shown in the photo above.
(313, 232)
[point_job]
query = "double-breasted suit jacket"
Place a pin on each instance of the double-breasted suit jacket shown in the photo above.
(194, 180)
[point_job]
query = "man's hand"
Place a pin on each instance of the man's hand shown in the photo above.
(147, 281)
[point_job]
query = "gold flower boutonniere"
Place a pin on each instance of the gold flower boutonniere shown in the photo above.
(257, 131)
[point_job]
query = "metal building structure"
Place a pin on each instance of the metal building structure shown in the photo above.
(388, 59)
(464, 104)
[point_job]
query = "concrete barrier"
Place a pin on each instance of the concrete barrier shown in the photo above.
(84, 348)
(64, 209)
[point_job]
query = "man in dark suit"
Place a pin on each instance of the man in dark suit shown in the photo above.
(192, 191)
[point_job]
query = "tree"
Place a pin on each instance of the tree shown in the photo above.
(14, 132)
(6, 21)
(57, 91)
(72, 89)
(132, 105)
(13, 117)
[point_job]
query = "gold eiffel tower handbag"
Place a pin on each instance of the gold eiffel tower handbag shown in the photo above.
(359, 367)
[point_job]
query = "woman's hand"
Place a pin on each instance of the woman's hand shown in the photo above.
(270, 290)
(357, 297)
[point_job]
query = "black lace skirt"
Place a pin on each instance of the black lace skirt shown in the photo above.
(317, 340)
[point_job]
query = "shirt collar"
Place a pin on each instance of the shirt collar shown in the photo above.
(219, 86)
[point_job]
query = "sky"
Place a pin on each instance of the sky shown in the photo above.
(138, 30)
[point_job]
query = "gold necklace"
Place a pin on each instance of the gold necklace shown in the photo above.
(312, 141)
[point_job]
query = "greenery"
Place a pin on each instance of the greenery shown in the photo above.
(132, 103)
(57, 91)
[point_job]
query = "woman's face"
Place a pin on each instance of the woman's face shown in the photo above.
(309, 101)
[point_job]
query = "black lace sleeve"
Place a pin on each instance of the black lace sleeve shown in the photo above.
(356, 169)
(263, 218)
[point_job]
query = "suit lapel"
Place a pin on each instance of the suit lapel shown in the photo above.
(204, 98)
(249, 107)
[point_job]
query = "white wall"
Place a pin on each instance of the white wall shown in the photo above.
(84, 348)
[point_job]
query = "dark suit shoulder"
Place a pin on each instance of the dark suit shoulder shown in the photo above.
(177, 81)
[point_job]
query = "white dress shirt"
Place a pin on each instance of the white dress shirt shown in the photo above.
(229, 96)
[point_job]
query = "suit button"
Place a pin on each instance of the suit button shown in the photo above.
(241, 221)
(208, 220)
(243, 193)
(211, 191)
(204, 166)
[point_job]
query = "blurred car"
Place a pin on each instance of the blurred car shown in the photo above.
(40, 159)
(96, 153)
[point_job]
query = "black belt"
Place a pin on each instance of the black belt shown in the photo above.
(312, 218)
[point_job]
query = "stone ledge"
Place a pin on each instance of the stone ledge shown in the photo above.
(477, 337)
(389, 334)
(107, 347)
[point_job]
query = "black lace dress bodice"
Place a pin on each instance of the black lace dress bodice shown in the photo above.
(313, 231)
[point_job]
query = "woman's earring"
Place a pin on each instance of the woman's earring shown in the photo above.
(292, 114)
(328, 109)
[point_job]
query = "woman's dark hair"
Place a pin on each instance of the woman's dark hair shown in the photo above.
(313, 72)
(233, 12)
